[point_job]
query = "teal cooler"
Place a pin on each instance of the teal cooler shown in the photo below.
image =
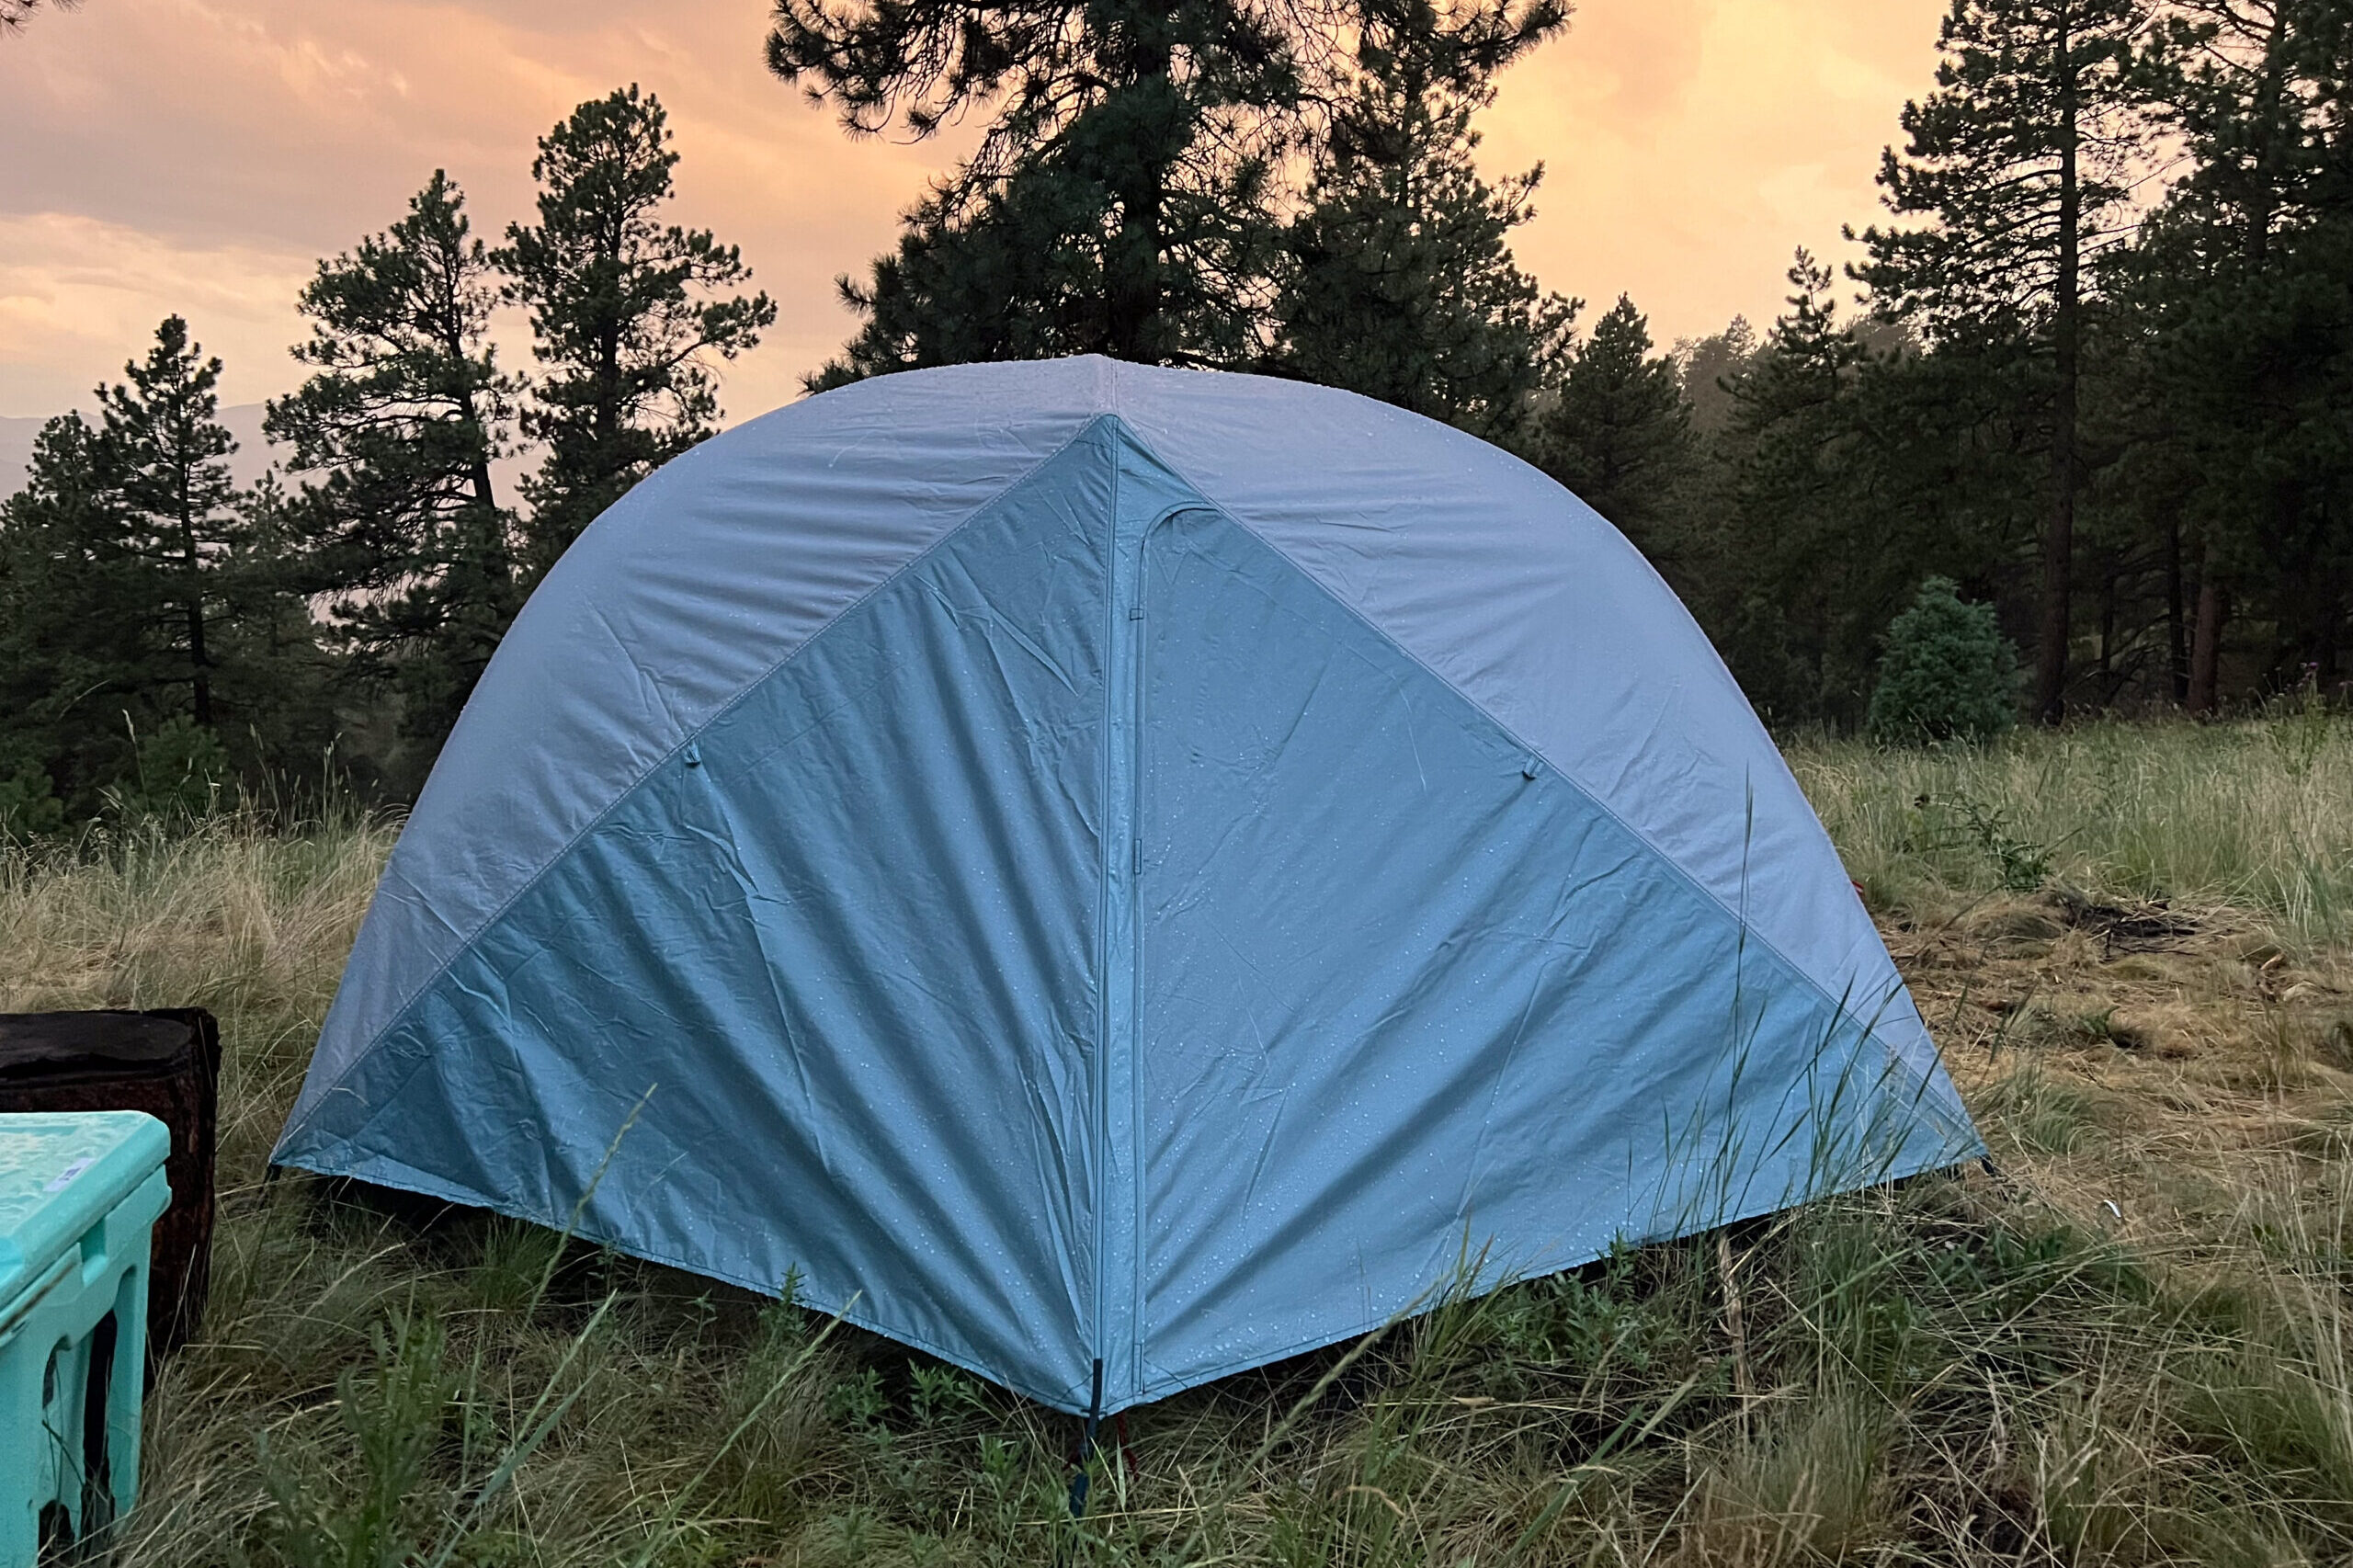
(78, 1193)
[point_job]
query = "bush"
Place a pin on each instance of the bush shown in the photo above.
(177, 773)
(29, 808)
(1949, 672)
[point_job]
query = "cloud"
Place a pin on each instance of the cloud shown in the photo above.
(199, 155)
(1691, 145)
(218, 147)
(78, 296)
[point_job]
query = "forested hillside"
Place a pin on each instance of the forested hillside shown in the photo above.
(2090, 367)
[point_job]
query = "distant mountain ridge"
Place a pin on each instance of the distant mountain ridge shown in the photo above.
(248, 462)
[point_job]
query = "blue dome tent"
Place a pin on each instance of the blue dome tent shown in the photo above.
(1107, 872)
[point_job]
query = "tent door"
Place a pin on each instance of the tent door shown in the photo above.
(1127, 855)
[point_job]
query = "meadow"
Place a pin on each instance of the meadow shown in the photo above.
(2129, 1341)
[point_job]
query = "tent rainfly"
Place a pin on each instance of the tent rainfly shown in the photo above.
(1113, 876)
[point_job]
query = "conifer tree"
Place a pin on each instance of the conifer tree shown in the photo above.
(1854, 461)
(2245, 357)
(394, 433)
(125, 560)
(1711, 368)
(1618, 431)
(1400, 281)
(627, 312)
(15, 13)
(1018, 270)
(1122, 199)
(1949, 675)
(2018, 166)
(1780, 582)
(80, 641)
(168, 452)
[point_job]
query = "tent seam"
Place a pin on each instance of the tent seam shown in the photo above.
(1099, 1117)
(688, 738)
(1871, 1030)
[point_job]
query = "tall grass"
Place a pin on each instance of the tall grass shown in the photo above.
(1969, 1369)
(2258, 814)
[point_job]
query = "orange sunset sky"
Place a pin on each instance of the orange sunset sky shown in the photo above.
(199, 155)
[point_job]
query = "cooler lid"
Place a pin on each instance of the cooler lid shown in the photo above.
(60, 1173)
(41, 1044)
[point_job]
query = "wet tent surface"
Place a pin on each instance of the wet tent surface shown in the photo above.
(1023, 849)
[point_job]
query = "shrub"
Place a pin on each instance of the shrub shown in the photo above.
(1949, 672)
(177, 773)
(29, 808)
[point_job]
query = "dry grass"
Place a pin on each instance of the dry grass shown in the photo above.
(2131, 1347)
(2257, 817)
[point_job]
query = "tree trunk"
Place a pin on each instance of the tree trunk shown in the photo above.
(2059, 529)
(502, 566)
(607, 417)
(202, 665)
(2206, 643)
(192, 563)
(195, 643)
(2107, 632)
(1132, 332)
(2176, 632)
(453, 343)
(2327, 614)
(1132, 328)
(2262, 198)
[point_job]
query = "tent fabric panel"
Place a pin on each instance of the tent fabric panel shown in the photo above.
(1408, 996)
(832, 966)
(1146, 494)
(1541, 614)
(680, 596)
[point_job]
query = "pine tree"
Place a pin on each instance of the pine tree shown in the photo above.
(1018, 271)
(394, 433)
(1711, 368)
(1122, 200)
(1785, 573)
(2019, 161)
(1400, 282)
(1845, 470)
(278, 677)
(170, 454)
(2244, 355)
(627, 312)
(1618, 431)
(14, 14)
(1948, 673)
(96, 648)
(81, 645)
